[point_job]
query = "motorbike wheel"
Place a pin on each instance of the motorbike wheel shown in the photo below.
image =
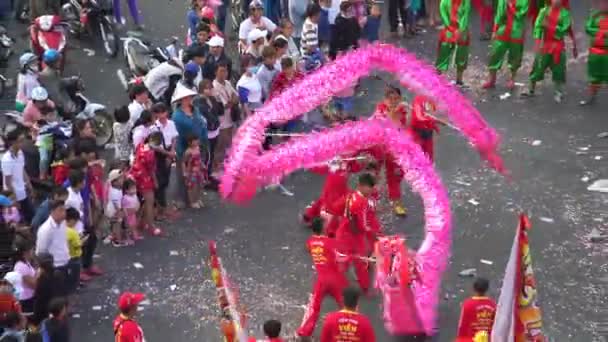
(109, 37)
(103, 122)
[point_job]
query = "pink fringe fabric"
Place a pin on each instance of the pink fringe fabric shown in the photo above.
(432, 257)
(247, 167)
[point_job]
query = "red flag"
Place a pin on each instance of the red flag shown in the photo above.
(518, 316)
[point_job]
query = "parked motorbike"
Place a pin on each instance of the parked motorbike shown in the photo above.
(49, 32)
(74, 105)
(141, 56)
(94, 19)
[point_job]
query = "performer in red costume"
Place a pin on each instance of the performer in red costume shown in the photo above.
(358, 219)
(394, 109)
(335, 186)
(477, 313)
(347, 324)
(330, 279)
(422, 125)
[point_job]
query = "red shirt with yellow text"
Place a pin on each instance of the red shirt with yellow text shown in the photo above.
(322, 250)
(347, 326)
(477, 315)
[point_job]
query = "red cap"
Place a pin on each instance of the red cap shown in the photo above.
(128, 300)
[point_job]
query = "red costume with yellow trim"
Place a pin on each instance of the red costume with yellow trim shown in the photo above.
(330, 280)
(358, 219)
(477, 315)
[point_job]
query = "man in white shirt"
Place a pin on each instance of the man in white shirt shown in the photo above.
(52, 239)
(255, 20)
(225, 92)
(13, 171)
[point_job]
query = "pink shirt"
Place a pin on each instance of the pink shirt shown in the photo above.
(25, 269)
(31, 113)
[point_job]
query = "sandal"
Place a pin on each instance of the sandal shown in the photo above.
(195, 205)
(154, 231)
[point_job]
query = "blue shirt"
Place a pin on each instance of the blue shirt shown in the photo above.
(42, 214)
(186, 125)
(324, 32)
(372, 28)
(193, 21)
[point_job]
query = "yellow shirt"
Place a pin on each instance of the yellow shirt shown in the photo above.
(74, 244)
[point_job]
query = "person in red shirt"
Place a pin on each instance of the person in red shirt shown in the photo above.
(126, 328)
(393, 108)
(272, 330)
(336, 186)
(330, 279)
(422, 125)
(347, 324)
(477, 313)
(358, 219)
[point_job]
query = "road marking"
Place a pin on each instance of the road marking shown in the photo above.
(122, 78)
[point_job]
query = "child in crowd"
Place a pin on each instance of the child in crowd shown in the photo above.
(10, 212)
(75, 240)
(24, 261)
(55, 328)
(113, 208)
(121, 129)
(74, 200)
(195, 174)
(280, 45)
(44, 142)
(130, 206)
(371, 29)
(343, 103)
(46, 288)
(267, 71)
(60, 168)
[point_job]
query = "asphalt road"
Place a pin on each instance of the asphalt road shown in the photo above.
(552, 151)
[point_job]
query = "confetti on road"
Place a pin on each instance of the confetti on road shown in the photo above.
(597, 157)
(597, 236)
(546, 219)
(228, 230)
(469, 272)
(138, 265)
(473, 202)
(600, 185)
(487, 262)
(603, 135)
(537, 142)
(505, 96)
(96, 308)
(172, 287)
(89, 52)
(585, 179)
(173, 253)
(285, 248)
